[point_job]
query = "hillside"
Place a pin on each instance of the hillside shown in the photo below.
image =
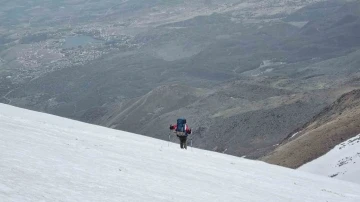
(245, 73)
(44, 157)
(236, 117)
(340, 162)
(136, 113)
(335, 124)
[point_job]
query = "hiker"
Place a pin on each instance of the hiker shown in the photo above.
(182, 130)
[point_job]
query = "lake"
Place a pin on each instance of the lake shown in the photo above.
(81, 40)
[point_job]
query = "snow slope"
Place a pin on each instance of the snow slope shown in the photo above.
(342, 162)
(48, 158)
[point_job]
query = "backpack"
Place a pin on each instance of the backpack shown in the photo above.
(180, 127)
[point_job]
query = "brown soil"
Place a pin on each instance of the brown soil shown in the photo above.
(333, 125)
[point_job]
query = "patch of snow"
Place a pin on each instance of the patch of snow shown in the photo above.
(298, 24)
(293, 135)
(267, 63)
(49, 158)
(263, 68)
(342, 162)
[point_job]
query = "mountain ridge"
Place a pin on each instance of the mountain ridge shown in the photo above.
(335, 124)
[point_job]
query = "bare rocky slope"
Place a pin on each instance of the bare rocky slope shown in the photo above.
(236, 118)
(335, 124)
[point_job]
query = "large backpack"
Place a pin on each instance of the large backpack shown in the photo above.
(180, 127)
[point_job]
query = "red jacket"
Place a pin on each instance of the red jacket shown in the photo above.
(187, 128)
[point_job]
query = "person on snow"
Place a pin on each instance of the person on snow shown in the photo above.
(182, 130)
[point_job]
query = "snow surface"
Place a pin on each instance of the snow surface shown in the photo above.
(293, 135)
(342, 162)
(48, 158)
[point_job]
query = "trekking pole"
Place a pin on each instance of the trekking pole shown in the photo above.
(191, 143)
(169, 140)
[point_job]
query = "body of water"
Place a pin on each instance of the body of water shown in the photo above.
(81, 40)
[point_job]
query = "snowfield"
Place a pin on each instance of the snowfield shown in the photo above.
(48, 158)
(342, 162)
